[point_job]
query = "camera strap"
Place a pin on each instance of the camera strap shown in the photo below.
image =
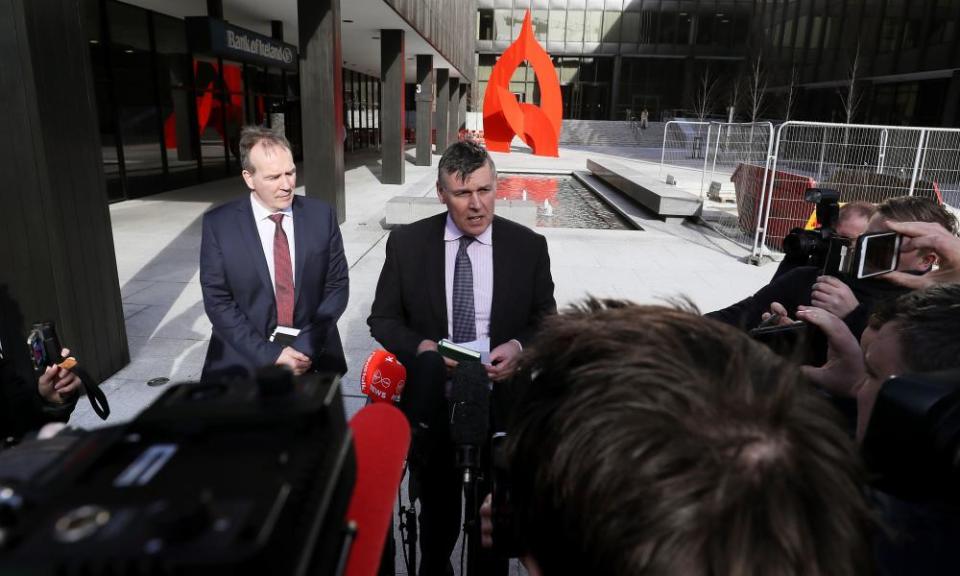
(98, 400)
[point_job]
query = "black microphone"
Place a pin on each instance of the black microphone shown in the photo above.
(469, 414)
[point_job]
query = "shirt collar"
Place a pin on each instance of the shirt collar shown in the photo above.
(451, 233)
(261, 213)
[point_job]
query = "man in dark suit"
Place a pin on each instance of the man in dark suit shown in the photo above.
(273, 271)
(465, 275)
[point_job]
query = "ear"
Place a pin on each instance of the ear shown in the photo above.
(440, 194)
(928, 260)
(248, 178)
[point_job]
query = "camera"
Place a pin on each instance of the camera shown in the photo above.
(869, 255)
(912, 442)
(245, 477)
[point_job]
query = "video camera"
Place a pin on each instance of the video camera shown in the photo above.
(869, 255)
(912, 443)
(247, 477)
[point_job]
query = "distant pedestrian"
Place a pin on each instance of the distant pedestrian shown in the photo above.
(644, 117)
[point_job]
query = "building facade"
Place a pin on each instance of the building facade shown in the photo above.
(617, 57)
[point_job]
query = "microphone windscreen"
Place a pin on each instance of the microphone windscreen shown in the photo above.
(381, 436)
(383, 377)
(469, 404)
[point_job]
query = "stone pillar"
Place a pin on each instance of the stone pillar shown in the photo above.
(57, 259)
(443, 105)
(453, 125)
(424, 108)
(392, 111)
(321, 101)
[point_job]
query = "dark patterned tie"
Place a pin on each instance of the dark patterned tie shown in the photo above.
(282, 273)
(464, 313)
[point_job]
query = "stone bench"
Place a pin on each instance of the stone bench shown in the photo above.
(406, 209)
(664, 200)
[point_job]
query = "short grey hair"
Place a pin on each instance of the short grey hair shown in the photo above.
(250, 136)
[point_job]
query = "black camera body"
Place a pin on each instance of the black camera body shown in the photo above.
(821, 247)
(250, 477)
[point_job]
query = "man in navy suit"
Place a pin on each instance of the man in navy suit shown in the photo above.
(273, 271)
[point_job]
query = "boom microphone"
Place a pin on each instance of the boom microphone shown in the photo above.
(469, 413)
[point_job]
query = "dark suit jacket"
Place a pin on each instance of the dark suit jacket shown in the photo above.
(238, 293)
(410, 304)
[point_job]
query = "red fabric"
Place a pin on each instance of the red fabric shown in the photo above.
(283, 273)
(381, 436)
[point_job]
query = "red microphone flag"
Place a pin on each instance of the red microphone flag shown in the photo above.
(381, 436)
(383, 377)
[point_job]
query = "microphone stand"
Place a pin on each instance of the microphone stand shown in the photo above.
(468, 459)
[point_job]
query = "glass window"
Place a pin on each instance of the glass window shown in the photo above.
(174, 79)
(942, 30)
(485, 25)
(485, 66)
(611, 26)
(889, 34)
(502, 20)
(648, 26)
(518, 16)
(593, 27)
(557, 26)
(568, 69)
(136, 105)
(684, 23)
(705, 28)
(668, 27)
(540, 23)
(630, 29)
(574, 26)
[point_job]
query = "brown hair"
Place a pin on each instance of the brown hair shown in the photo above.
(650, 440)
(250, 136)
(917, 209)
(858, 208)
(928, 322)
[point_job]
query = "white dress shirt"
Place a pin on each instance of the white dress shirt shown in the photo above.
(267, 229)
(480, 252)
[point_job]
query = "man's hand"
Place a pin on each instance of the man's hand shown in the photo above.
(834, 296)
(56, 385)
(776, 308)
(295, 360)
(431, 346)
(844, 371)
(486, 522)
(503, 360)
(930, 237)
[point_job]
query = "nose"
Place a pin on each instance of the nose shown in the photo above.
(474, 200)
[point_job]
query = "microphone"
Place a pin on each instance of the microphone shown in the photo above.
(381, 436)
(469, 414)
(383, 377)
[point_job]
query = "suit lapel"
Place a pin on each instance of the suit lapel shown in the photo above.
(500, 279)
(250, 236)
(300, 244)
(435, 269)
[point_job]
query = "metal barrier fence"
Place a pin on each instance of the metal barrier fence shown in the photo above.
(715, 153)
(862, 162)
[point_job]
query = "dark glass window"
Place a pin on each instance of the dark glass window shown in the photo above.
(136, 106)
(485, 25)
(177, 100)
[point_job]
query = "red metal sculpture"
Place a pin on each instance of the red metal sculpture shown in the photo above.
(503, 116)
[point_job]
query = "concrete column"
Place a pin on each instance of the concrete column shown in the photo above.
(443, 105)
(615, 87)
(321, 100)
(392, 61)
(276, 29)
(453, 125)
(462, 106)
(424, 108)
(57, 259)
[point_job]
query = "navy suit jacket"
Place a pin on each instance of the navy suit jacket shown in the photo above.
(238, 293)
(410, 305)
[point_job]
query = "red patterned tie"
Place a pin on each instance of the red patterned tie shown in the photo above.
(282, 273)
